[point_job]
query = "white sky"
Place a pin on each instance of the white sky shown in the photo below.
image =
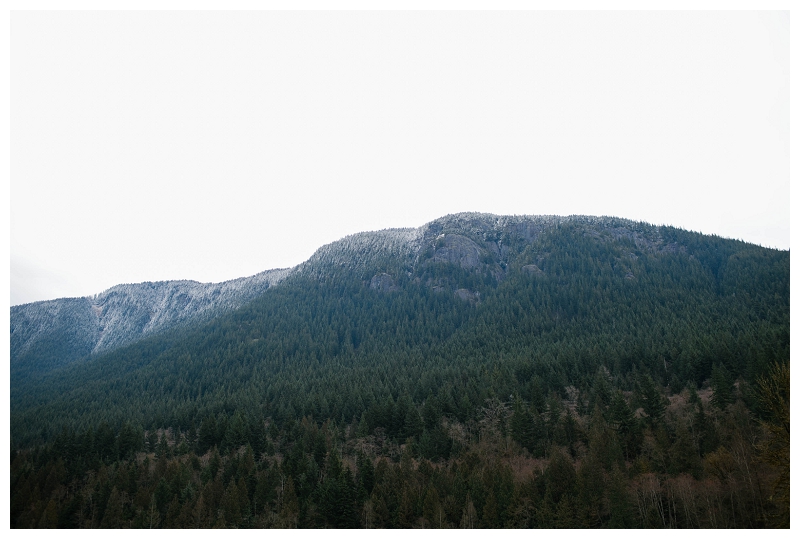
(149, 146)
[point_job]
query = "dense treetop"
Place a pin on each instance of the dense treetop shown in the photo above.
(463, 345)
(467, 307)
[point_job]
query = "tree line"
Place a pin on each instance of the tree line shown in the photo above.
(654, 354)
(699, 458)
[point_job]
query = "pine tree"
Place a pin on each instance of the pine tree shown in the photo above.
(412, 425)
(162, 450)
(490, 518)
(363, 426)
(207, 437)
(619, 504)
(469, 516)
(522, 425)
(230, 504)
(722, 386)
(622, 419)
(290, 508)
(601, 389)
(113, 514)
(773, 394)
(704, 430)
(366, 474)
(651, 399)
(431, 508)
(683, 456)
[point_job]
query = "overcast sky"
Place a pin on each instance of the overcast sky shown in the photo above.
(151, 146)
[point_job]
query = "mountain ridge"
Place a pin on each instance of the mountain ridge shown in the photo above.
(497, 360)
(477, 248)
(124, 314)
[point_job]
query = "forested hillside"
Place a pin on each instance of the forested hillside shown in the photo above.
(478, 371)
(48, 335)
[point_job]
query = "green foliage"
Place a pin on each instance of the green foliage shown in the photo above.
(722, 385)
(773, 393)
(326, 403)
(522, 427)
(623, 421)
(332, 347)
(651, 399)
(597, 488)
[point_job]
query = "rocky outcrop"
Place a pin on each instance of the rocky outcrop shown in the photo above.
(383, 282)
(457, 249)
(468, 295)
(532, 269)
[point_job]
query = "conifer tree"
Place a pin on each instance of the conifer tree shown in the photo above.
(651, 399)
(622, 419)
(290, 508)
(773, 393)
(722, 386)
(522, 425)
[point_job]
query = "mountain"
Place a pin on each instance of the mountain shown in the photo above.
(46, 335)
(465, 307)
(50, 334)
(478, 371)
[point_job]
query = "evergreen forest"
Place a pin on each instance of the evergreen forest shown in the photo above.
(477, 373)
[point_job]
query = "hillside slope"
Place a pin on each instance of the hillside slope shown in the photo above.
(465, 308)
(50, 334)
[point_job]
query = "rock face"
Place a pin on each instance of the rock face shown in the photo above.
(533, 269)
(467, 295)
(48, 334)
(382, 282)
(457, 249)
